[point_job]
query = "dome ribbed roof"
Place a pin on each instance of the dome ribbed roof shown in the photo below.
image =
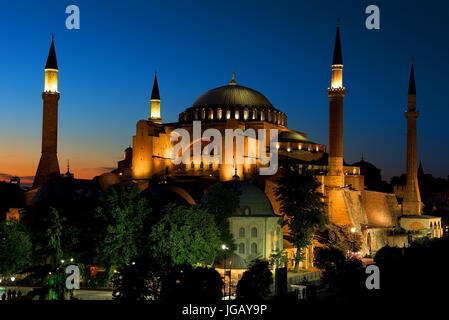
(232, 95)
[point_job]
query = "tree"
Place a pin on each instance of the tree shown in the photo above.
(255, 282)
(342, 238)
(222, 203)
(122, 213)
(15, 248)
(302, 206)
(278, 258)
(343, 275)
(51, 274)
(186, 235)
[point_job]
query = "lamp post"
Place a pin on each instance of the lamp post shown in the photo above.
(352, 240)
(230, 279)
(224, 247)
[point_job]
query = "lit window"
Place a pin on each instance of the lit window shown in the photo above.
(219, 113)
(245, 114)
(237, 114)
(203, 114)
(211, 114)
(228, 114)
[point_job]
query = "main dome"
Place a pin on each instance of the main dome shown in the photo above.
(232, 95)
(233, 102)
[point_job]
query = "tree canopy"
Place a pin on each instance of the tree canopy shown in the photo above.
(186, 235)
(302, 206)
(256, 281)
(15, 248)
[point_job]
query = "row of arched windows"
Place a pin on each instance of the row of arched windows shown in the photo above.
(435, 224)
(253, 248)
(246, 114)
(253, 232)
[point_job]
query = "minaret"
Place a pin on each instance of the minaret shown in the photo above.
(48, 168)
(155, 103)
(411, 204)
(336, 93)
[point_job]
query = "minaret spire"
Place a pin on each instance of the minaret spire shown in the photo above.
(411, 82)
(52, 62)
(338, 57)
(155, 102)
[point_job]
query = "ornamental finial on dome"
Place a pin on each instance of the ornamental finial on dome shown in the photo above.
(233, 82)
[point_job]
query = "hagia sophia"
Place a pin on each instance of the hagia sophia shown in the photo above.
(377, 217)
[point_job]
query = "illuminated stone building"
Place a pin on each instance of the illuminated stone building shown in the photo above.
(372, 214)
(376, 216)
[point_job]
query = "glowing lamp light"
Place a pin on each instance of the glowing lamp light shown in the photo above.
(13, 279)
(353, 229)
(224, 247)
(288, 149)
(62, 261)
(71, 259)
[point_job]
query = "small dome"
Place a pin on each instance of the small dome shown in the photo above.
(253, 201)
(288, 136)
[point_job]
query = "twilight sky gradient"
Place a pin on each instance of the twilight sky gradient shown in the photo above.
(280, 48)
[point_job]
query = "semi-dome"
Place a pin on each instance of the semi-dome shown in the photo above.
(233, 101)
(253, 201)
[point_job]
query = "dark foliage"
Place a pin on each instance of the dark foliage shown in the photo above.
(343, 276)
(301, 204)
(256, 282)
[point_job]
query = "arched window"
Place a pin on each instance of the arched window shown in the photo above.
(242, 248)
(219, 113)
(254, 114)
(253, 248)
(262, 115)
(228, 114)
(254, 232)
(211, 114)
(245, 114)
(236, 114)
(203, 114)
(196, 115)
(242, 232)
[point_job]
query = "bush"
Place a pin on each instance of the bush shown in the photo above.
(255, 283)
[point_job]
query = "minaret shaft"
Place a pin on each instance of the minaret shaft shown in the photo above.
(336, 93)
(411, 204)
(48, 167)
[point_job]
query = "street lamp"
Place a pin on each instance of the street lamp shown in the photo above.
(224, 248)
(352, 240)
